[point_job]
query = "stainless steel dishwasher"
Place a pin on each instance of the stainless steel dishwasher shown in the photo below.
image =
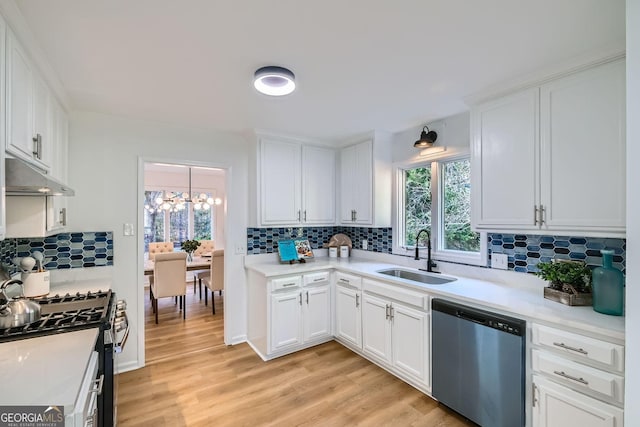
(478, 364)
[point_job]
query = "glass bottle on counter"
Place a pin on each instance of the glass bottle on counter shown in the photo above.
(608, 286)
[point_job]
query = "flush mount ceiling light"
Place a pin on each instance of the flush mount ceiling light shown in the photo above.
(274, 81)
(427, 138)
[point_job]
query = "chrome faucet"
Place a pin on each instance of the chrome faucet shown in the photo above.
(430, 263)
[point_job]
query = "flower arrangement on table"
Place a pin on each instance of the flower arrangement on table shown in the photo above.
(189, 246)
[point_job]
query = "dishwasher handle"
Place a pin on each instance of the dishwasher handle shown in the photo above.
(470, 317)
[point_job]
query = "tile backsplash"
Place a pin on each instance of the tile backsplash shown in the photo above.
(524, 251)
(265, 240)
(66, 250)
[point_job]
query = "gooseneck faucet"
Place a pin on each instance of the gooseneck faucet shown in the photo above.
(417, 257)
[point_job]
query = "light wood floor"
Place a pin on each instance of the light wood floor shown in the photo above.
(193, 379)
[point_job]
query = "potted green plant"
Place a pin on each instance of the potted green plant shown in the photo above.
(569, 281)
(189, 246)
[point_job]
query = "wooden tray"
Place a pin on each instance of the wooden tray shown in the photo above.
(568, 299)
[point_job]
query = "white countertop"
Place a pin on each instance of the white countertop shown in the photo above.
(46, 370)
(518, 301)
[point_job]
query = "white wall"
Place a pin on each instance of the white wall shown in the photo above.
(453, 133)
(105, 170)
(632, 378)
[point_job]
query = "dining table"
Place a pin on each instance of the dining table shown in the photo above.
(196, 263)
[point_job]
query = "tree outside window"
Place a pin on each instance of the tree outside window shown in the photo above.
(445, 211)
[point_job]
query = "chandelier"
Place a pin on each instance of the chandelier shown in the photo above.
(175, 202)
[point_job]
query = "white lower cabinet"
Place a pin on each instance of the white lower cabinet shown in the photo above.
(558, 406)
(577, 380)
(397, 335)
(348, 316)
(288, 313)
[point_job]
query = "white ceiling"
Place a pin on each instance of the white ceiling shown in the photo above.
(360, 64)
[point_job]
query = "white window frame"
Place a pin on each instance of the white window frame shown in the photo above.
(438, 253)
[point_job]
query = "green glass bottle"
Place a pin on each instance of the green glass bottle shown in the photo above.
(608, 287)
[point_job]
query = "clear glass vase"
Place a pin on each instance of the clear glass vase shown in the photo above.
(608, 286)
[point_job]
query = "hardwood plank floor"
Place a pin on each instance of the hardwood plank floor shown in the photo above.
(193, 379)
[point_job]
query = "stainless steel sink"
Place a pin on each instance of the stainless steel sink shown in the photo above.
(417, 276)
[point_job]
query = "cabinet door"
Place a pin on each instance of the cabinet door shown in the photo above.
(356, 184)
(286, 316)
(318, 185)
(376, 327)
(317, 313)
(42, 123)
(348, 316)
(57, 215)
(505, 162)
(583, 150)
(410, 342)
(19, 100)
(280, 182)
(558, 406)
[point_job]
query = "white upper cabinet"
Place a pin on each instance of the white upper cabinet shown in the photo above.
(583, 153)
(27, 107)
(356, 178)
(3, 28)
(366, 182)
(505, 161)
(297, 183)
(551, 159)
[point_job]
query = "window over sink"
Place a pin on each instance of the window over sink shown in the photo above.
(436, 195)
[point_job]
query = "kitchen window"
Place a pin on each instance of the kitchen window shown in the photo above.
(436, 195)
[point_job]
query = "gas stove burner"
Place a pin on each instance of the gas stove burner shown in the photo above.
(65, 313)
(70, 298)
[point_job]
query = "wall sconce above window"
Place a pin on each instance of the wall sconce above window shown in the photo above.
(427, 138)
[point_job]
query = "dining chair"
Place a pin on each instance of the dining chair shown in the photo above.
(158, 248)
(206, 247)
(169, 274)
(215, 281)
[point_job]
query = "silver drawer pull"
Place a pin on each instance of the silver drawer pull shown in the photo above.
(319, 279)
(566, 347)
(343, 280)
(288, 284)
(580, 380)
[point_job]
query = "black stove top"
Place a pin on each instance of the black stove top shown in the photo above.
(64, 314)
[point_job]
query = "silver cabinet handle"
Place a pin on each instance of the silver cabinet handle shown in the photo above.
(300, 296)
(355, 215)
(305, 215)
(286, 285)
(298, 215)
(37, 146)
(535, 215)
(319, 279)
(307, 297)
(566, 347)
(343, 280)
(542, 215)
(63, 216)
(563, 374)
(386, 311)
(392, 313)
(357, 300)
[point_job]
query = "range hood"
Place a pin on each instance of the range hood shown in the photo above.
(22, 179)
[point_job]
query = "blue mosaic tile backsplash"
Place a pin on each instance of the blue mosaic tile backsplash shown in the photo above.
(265, 240)
(526, 251)
(66, 250)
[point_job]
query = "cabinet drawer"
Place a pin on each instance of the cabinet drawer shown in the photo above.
(406, 296)
(579, 346)
(315, 278)
(578, 376)
(346, 279)
(286, 283)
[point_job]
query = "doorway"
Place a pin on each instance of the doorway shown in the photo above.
(181, 202)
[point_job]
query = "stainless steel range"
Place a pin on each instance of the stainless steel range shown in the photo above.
(60, 314)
